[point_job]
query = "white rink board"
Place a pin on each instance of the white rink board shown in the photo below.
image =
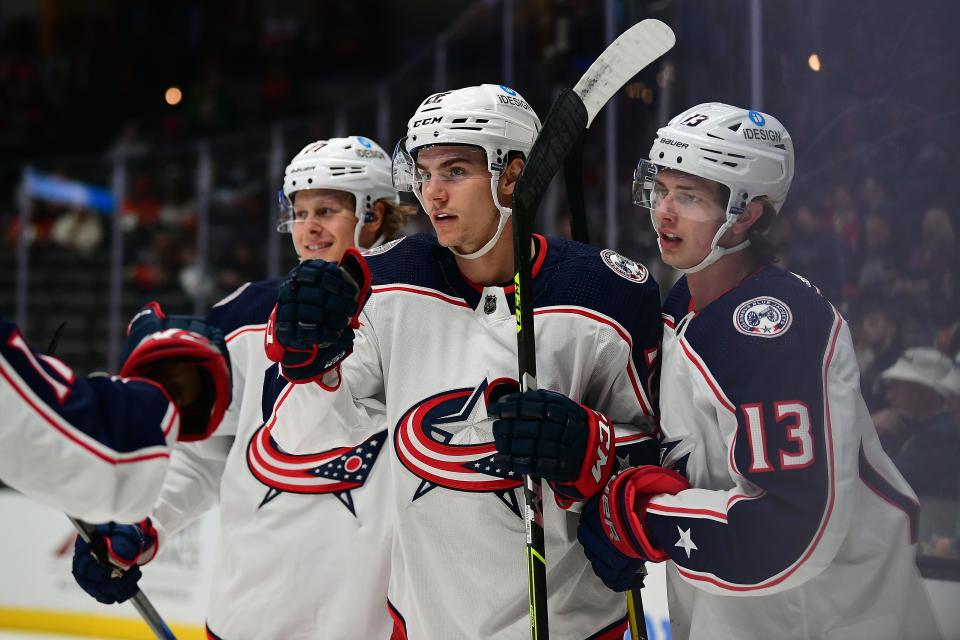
(36, 551)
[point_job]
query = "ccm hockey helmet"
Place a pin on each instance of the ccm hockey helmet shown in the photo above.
(354, 164)
(749, 152)
(492, 117)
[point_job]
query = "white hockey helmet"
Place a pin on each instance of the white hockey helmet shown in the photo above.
(356, 165)
(749, 152)
(493, 117)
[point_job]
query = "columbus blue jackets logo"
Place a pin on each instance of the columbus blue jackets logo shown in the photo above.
(446, 441)
(336, 471)
(762, 317)
(624, 267)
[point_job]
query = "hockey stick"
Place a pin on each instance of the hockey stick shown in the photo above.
(140, 601)
(571, 114)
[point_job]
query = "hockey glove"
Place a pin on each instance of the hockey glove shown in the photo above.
(311, 330)
(188, 358)
(612, 530)
(109, 569)
(546, 434)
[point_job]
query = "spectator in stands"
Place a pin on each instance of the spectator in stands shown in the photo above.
(881, 260)
(815, 252)
(846, 218)
(878, 342)
(79, 230)
(916, 428)
(924, 283)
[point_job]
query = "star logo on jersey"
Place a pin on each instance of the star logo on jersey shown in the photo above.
(686, 541)
(675, 454)
(624, 267)
(336, 471)
(446, 440)
(762, 317)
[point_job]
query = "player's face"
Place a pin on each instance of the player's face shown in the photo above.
(323, 226)
(455, 189)
(686, 215)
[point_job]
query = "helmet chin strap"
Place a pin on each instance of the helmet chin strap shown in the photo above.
(505, 213)
(716, 251)
(356, 236)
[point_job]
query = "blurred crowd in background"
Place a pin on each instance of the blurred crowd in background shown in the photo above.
(872, 219)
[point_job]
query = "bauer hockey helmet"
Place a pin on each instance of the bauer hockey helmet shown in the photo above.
(354, 164)
(493, 117)
(748, 152)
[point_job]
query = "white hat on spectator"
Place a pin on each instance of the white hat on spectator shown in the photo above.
(923, 365)
(952, 382)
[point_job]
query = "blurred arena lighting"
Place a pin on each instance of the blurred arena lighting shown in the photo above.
(173, 96)
(814, 61)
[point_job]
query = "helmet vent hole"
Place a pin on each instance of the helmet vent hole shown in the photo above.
(780, 146)
(481, 121)
(735, 127)
(458, 120)
(714, 136)
(309, 180)
(731, 164)
(679, 160)
(661, 155)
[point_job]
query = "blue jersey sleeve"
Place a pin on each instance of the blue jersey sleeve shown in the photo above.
(782, 382)
(95, 447)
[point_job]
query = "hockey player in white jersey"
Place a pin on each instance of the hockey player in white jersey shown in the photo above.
(303, 539)
(436, 341)
(778, 512)
(99, 447)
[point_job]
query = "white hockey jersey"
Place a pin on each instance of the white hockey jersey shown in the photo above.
(303, 549)
(797, 524)
(93, 447)
(431, 347)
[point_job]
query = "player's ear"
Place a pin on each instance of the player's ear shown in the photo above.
(373, 218)
(748, 218)
(508, 178)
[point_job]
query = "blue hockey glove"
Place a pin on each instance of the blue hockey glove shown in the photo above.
(109, 569)
(188, 358)
(546, 434)
(311, 330)
(612, 530)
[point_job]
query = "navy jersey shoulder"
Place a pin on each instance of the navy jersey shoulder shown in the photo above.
(416, 260)
(575, 274)
(249, 305)
(772, 323)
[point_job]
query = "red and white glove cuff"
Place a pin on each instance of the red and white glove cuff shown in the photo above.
(598, 463)
(148, 548)
(624, 503)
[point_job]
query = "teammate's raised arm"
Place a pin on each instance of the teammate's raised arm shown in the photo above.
(98, 447)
